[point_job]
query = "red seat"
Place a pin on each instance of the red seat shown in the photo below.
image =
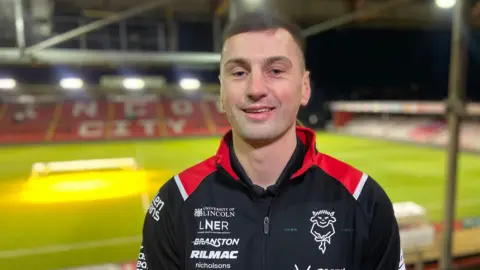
(184, 118)
(26, 122)
(78, 118)
(100, 119)
(218, 116)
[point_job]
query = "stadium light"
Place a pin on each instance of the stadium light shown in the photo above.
(7, 83)
(190, 84)
(71, 83)
(133, 83)
(26, 99)
(253, 4)
(445, 3)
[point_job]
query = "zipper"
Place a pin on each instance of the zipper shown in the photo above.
(266, 231)
(266, 217)
(266, 225)
(266, 228)
(267, 221)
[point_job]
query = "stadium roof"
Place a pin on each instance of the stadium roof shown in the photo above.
(398, 13)
(41, 36)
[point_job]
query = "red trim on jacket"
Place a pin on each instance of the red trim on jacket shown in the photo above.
(344, 173)
(193, 176)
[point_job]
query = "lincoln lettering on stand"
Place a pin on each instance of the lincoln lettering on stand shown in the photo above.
(89, 109)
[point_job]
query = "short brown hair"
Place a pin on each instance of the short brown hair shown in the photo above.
(262, 20)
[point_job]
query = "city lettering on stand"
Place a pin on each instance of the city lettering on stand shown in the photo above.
(91, 129)
(148, 125)
(123, 128)
(176, 125)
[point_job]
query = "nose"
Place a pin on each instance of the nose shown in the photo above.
(257, 88)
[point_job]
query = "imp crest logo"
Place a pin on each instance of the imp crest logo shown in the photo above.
(322, 228)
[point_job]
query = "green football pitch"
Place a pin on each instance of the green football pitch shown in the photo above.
(63, 234)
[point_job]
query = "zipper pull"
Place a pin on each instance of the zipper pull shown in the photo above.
(266, 225)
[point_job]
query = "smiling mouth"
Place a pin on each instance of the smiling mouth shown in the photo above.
(262, 110)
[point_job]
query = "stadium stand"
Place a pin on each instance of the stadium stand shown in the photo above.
(104, 119)
(422, 123)
(417, 122)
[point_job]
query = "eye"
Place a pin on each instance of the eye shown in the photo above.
(239, 73)
(276, 71)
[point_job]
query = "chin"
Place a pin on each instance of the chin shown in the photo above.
(260, 133)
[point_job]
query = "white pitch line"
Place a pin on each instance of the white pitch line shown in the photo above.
(6, 254)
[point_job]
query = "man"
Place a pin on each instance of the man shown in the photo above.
(268, 199)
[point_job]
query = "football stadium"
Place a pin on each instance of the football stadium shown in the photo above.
(102, 103)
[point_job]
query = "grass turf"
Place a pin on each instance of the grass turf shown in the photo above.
(61, 235)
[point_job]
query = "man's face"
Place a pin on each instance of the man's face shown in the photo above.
(263, 83)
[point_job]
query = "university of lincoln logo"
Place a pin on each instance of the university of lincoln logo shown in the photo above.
(322, 228)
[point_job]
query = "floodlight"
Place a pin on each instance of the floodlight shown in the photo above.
(190, 84)
(253, 4)
(26, 99)
(7, 83)
(71, 83)
(133, 83)
(445, 3)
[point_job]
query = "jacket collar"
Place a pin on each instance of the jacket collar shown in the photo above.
(306, 135)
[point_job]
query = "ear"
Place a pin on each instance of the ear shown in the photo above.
(306, 88)
(313, 213)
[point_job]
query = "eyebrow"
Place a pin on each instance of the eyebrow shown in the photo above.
(270, 60)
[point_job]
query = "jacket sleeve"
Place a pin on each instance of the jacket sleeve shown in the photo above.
(383, 250)
(159, 250)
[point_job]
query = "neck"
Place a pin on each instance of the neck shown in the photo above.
(263, 162)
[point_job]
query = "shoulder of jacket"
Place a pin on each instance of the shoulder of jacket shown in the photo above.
(189, 179)
(351, 178)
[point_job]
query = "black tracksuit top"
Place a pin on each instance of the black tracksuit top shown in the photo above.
(321, 215)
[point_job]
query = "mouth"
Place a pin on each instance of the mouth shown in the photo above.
(259, 110)
(259, 113)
